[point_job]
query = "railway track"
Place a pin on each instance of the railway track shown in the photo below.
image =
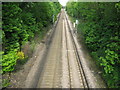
(77, 78)
(61, 66)
(51, 71)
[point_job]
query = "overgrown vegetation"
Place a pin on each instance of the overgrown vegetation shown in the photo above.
(21, 21)
(100, 24)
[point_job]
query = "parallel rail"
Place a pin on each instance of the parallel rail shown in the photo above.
(67, 55)
(82, 72)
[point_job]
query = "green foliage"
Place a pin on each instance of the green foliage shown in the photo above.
(9, 61)
(5, 83)
(99, 22)
(21, 21)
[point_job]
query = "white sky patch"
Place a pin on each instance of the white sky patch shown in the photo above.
(63, 2)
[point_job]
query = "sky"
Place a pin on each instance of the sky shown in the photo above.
(63, 2)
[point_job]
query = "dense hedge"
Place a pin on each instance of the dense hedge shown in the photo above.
(100, 24)
(20, 23)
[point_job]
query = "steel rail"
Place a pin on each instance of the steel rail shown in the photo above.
(67, 54)
(83, 76)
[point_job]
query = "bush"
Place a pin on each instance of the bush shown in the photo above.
(99, 22)
(21, 22)
(9, 61)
